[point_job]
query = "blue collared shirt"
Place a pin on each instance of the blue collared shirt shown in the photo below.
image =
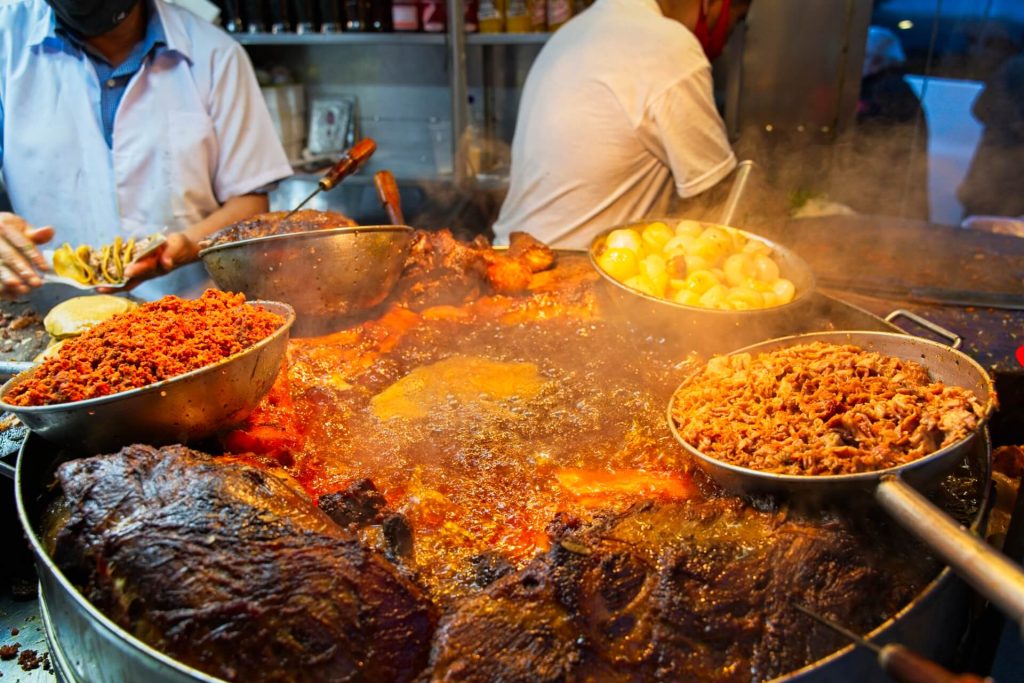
(114, 79)
(191, 130)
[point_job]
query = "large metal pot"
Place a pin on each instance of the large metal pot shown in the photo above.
(91, 648)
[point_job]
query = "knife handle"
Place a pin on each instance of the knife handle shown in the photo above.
(349, 163)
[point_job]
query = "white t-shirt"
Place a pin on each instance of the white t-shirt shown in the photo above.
(617, 106)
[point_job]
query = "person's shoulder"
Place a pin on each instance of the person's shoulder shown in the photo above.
(206, 40)
(23, 23)
(650, 36)
(22, 6)
(21, 15)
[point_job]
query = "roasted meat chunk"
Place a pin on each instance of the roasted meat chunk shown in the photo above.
(231, 569)
(669, 592)
(441, 270)
(275, 223)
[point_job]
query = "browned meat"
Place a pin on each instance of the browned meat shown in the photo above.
(674, 592)
(821, 409)
(535, 254)
(274, 223)
(232, 570)
(441, 270)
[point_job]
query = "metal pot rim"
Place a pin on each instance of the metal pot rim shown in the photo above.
(309, 234)
(274, 306)
(859, 478)
(801, 296)
(105, 622)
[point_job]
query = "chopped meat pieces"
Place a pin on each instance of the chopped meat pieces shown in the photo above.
(9, 652)
(29, 660)
(821, 409)
(156, 341)
(275, 223)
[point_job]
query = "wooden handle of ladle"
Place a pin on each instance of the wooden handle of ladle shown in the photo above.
(387, 192)
(349, 163)
(985, 569)
(906, 666)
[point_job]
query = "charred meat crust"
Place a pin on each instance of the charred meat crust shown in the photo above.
(605, 604)
(231, 570)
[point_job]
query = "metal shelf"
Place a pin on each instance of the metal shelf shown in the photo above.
(340, 38)
(387, 38)
(507, 38)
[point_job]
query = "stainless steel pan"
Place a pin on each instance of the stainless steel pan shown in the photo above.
(326, 275)
(187, 407)
(895, 488)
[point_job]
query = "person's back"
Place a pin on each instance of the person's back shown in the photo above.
(617, 106)
(992, 185)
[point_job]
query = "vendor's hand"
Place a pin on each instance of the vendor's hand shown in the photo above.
(19, 257)
(178, 250)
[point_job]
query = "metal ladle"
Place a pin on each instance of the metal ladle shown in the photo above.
(739, 186)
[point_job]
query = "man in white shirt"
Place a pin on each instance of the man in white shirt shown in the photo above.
(124, 118)
(617, 113)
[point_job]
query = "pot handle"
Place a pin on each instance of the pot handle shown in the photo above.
(7, 470)
(987, 570)
(955, 340)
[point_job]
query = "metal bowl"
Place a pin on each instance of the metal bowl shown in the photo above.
(326, 275)
(177, 410)
(709, 328)
(944, 364)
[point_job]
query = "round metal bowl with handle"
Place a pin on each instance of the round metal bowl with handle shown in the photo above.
(181, 409)
(696, 324)
(324, 274)
(895, 488)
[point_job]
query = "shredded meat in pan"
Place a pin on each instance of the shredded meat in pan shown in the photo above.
(821, 409)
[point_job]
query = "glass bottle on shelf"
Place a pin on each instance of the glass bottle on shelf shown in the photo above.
(380, 19)
(405, 15)
(279, 17)
(331, 18)
(470, 15)
(538, 11)
(432, 16)
(255, 16)
(517, 17)
(303, 16)
(355, 16)
(491, 16)
(559, 12)
(233, 22)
